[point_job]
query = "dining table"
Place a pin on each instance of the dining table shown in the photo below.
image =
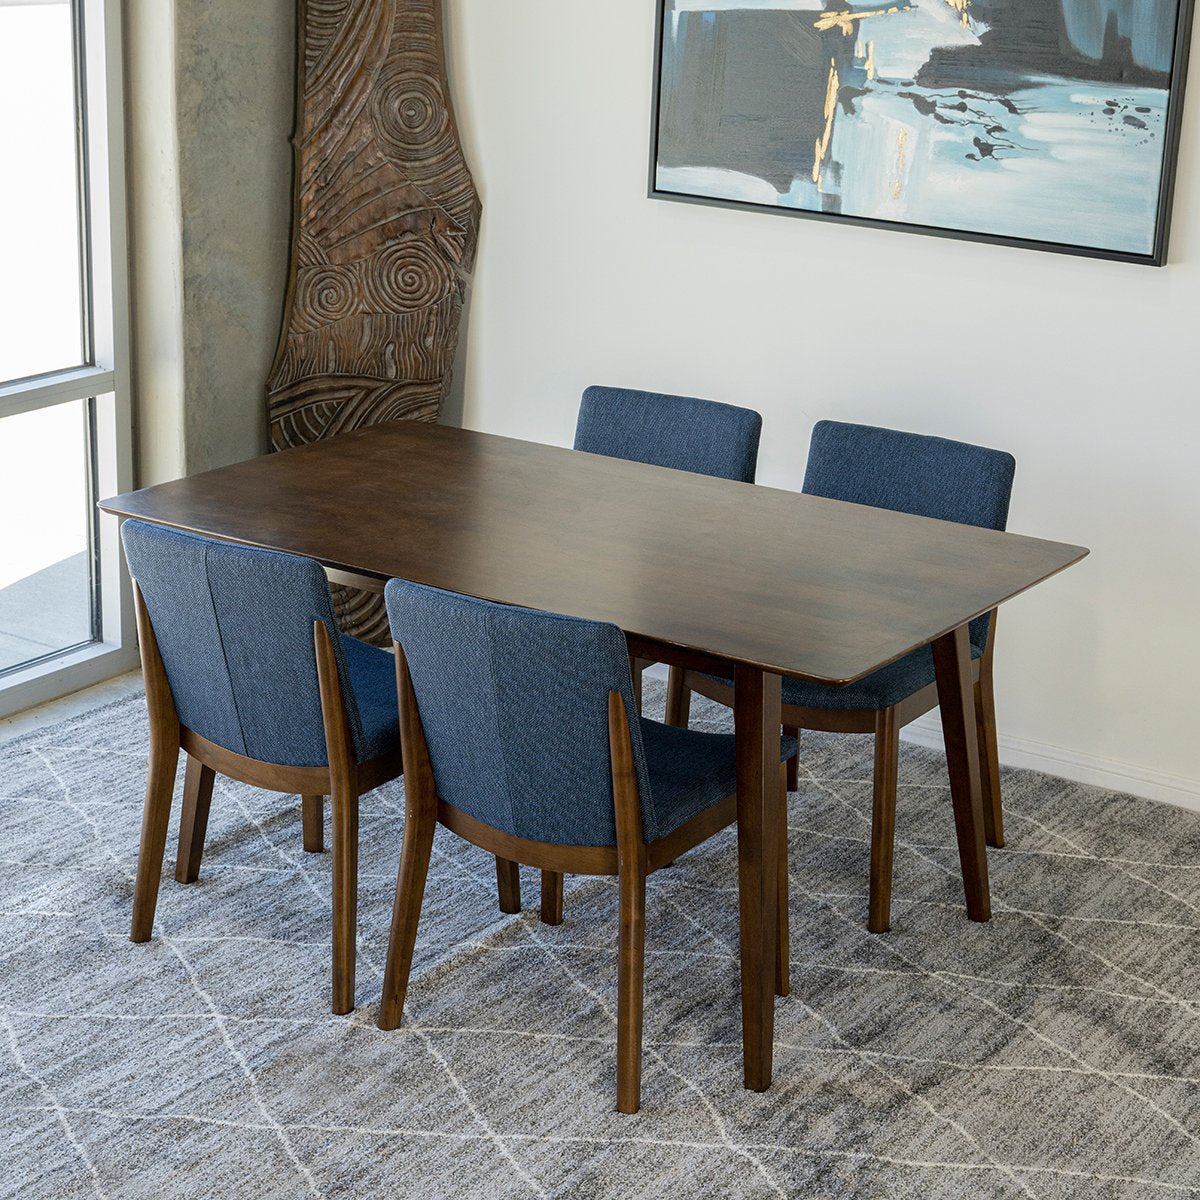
(744, 581)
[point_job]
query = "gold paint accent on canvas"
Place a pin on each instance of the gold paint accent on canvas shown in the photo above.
(901, 162)
(845, 20)
(963, 8)
(822, 147)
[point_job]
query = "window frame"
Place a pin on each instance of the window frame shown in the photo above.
(104, 384)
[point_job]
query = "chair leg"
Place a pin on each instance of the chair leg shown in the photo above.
(630, 980)
(193, 821)
(883, 819)
(508, 884)
(312, 820)
(160, 786)
(989, 761)
(679, 698)
(345, 896)
(419, 826)
(552, 898)
(783, 969)
(793, 764)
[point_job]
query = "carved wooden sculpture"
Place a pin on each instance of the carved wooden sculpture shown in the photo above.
(384, 229)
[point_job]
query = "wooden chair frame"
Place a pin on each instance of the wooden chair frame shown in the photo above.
(344, 780)
(885, 724)
(631, 860)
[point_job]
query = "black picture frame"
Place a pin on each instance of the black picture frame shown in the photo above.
(1166, 191)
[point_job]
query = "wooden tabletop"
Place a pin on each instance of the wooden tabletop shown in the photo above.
(801, 586)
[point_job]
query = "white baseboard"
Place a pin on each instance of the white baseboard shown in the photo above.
(1064, 764)
(1068, 764)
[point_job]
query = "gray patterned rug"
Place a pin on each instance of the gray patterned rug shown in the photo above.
(1054, 1052)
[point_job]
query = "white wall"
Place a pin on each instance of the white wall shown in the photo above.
(1083, 369)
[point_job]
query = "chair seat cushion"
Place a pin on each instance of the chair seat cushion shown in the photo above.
(373, 677)
(881, 689)
(690, 771)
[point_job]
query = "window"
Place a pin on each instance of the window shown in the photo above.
(64, 411)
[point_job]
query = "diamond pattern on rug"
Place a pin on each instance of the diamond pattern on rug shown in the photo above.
(1054, 1052)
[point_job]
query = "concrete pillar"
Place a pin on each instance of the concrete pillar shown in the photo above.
(209, 99)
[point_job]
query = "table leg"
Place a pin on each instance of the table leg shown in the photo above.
(757, 721)
(952, 662)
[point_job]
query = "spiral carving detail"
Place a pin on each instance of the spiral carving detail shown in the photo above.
(324, 295)
(410, 112)
(409, 275)
(385, 228)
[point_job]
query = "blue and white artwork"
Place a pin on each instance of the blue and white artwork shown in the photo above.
(1051, 123)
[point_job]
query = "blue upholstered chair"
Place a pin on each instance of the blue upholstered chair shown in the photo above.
(704, 437)
(521, 734)
(246, 672)
(701, 436)
(929, 477)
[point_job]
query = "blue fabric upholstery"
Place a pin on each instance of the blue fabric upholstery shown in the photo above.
(912, 473)
(701, 436)
(909, 473)
(882, 689)
(514, 705)
(690, 771)
(372, 675)
(234, 626)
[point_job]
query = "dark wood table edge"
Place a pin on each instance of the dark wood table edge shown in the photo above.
(644, 645)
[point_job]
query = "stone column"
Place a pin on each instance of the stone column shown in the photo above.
(210, 90)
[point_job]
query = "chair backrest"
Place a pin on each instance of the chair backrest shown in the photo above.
(514, 705)
(701, 436)
(912, 473)
(234, 626)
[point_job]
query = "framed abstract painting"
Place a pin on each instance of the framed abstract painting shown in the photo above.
(1048, 124)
